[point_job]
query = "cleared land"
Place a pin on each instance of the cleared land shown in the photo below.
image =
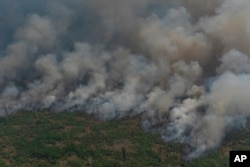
(32, 139)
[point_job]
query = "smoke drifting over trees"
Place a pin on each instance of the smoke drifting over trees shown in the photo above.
(182, 66)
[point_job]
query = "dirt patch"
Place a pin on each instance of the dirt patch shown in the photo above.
(57, 144)
(122, 145)
(7, 162)
(9, 149)
(4, 138)
(81, 135)
(84, 132)
(159, 149)
(17, 127)
(156, 148)
(226, 150)
(103, 133)
(93, 146)
(88, 130)
(30, 139)
(68, 128)
(77, 142)
(69, 161)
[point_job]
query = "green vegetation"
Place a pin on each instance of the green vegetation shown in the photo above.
(33, 139)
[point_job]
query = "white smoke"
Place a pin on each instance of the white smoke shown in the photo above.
(182, 66)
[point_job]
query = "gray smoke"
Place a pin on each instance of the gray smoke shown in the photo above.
(182, 66)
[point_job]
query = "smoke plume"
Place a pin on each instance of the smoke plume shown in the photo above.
(182, 66)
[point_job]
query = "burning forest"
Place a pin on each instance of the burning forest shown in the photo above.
(182, 66)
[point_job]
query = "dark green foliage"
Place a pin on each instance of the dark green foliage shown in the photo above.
(33, 139)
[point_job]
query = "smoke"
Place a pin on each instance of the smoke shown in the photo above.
(182, 66)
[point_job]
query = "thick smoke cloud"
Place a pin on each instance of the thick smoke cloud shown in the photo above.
(182, 66)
